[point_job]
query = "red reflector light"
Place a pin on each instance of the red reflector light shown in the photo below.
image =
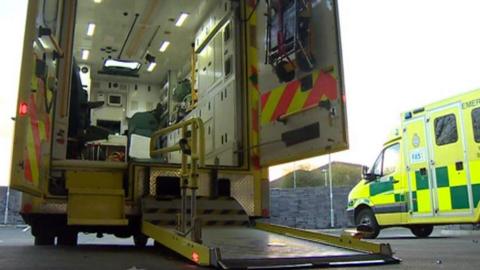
(195, 257)
(23, 109)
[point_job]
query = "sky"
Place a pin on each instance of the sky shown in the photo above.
(397, 55)
(12, 20)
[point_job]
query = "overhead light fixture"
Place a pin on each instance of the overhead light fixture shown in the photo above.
(132, 65)
(44, 43)
(90, 29)
(181, 19)
(164, 46)
(85, 54)
(97, 1)
(151, 64)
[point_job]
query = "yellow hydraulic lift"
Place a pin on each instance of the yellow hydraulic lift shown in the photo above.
(217, 232)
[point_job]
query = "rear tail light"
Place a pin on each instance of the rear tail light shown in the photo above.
(23, 109)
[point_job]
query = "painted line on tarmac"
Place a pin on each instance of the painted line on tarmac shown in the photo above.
(460, 232)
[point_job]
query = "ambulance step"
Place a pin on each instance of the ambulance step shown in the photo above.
(94, 206)
(221, 211)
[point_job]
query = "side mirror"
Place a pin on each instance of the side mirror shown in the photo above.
(364, 171)
(366, 175)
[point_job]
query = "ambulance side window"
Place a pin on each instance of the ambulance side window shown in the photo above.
(446, 129)
(377, 166)
(387, 161)
(476, 124)
(391, 157)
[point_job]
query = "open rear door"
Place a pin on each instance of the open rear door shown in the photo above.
(30, 131)
(37, 85)
(298, 73)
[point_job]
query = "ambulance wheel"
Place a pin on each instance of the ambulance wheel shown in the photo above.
(44, 239)
(422, 231)
(67, 238)
(140, 240)
(365, 221)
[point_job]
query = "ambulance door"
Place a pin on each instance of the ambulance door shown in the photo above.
(473, 146)
(416, 151)
(387, 190)
(296, 79)
(42, 54)
(453, 194)
(31, 133)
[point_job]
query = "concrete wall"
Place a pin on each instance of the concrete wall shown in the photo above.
(13, 206)
(308, 207)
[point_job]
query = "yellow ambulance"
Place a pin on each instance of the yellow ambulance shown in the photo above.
(428, 172)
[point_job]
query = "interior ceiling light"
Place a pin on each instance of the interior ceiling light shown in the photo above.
(97, 1)
(111, 63)
(151, 66)
(181, 19)
(90, 29)
(164, 46)
(85, 54)
(44, 43)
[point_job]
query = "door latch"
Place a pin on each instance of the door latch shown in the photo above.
(459, 166)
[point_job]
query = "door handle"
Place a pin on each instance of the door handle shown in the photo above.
(395, 181)
(459, 166)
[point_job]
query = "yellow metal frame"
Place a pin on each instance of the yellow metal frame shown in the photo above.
(179, 244)
(346, 241)
(197, 128)
(188, 173)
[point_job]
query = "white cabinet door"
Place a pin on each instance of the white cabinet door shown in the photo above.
(218, 58)
(205, 109)
(209, 135)
(225, 117)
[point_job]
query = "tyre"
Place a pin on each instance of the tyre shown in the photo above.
(44, 239)
(422, 231)
(140, 240)
(67, 238)
(365, 221)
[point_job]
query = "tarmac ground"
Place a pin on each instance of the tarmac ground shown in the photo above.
(443, 250)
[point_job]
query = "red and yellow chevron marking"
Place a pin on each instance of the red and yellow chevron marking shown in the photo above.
(253, 86)
(289, 98)
(254, 110)
(38, 130)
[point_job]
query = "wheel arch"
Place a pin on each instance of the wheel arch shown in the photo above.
(359, 208)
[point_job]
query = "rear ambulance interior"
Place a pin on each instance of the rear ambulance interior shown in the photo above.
(132, 75)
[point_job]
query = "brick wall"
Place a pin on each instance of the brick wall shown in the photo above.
(13, 206)
(308, 207)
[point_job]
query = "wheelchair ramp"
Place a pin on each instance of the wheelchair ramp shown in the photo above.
(250, 248)
(230, 241)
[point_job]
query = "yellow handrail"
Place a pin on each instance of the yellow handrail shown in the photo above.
(197, 129)
(189, 174)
